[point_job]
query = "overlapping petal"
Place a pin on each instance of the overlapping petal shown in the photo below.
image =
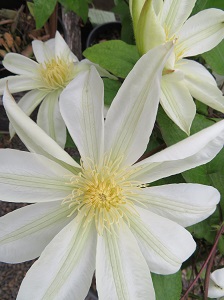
(29, 177)
(25, 232)
(164, 243)
(189, 153)
(183, 203)
(35, 139)
(174, 14)
(200, 33)
(216, 284)
(149, 39)
(128, 127)
(28, 103)
(18, 83)
(121, 271)
(43, 51)
(177, 102)
(85, 95)
(50, 120)
(62, 49)
(201, 84)
(65, 268)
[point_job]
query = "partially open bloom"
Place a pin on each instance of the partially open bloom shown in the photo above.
(102, 214)
(156, 22)
(216, 284)
(45, 79)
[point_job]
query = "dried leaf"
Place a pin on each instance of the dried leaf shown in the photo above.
(9, 39)
(2, 53)
(28, 51)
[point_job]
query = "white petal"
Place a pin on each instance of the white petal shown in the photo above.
(28, 103)
(164, 244)
(50, 120)
(29, 177)
(20, 64)
(189, 153)
(183, 203)
(201, 33)
(35, 139)
(158, 6)
(62, 49)
(202, 84)
(25, 232)
(147, 39)
(121, 270)
(175, 13)
(44, 51)
(216, 284)
(19, 83)
(81, 106)
(65, 268)
(177, 102)
(132, 114)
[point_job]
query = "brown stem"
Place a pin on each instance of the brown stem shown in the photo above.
(218, 235)
(207, 274)
(53, 20)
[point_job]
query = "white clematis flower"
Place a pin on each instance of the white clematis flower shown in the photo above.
(45, 79)
(102, 215)
(216, 284)
(156, 22)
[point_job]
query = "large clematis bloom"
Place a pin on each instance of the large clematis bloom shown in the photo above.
(156, 22)
(102, 214)
(45, 79)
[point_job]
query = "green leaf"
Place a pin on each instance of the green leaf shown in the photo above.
(111, 88)
(115, 56)
(204, 4)
(80, 7)
(127, 33)
(215, 58)
(167, 287)
(42, 10)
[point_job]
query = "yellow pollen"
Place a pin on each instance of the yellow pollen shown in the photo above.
(105, 194)
(57, 73)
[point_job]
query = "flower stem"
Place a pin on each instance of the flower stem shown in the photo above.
(213, 250)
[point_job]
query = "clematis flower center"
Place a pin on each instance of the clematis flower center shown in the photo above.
(57, 73)
(105, 194)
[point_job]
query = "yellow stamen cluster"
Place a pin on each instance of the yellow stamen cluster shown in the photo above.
(57, 73)
(105, 194)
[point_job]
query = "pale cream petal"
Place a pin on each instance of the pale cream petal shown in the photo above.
(201, 84)
(183, 203)
(147, 39)
(19, 83)
(81, 106)
(216, 284)
(25, 232)
(177, 102)
(44, 51)
(20, 64)
(85, 64)
(174, 14)
(62, 50)
(35, 139)
(28, 177)
(121, 270)
(50, 120)
(200, 33)
(164, 244)
(135, 10)
(131, 116)
(65, 267)
(28, 103)
(189, 153)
